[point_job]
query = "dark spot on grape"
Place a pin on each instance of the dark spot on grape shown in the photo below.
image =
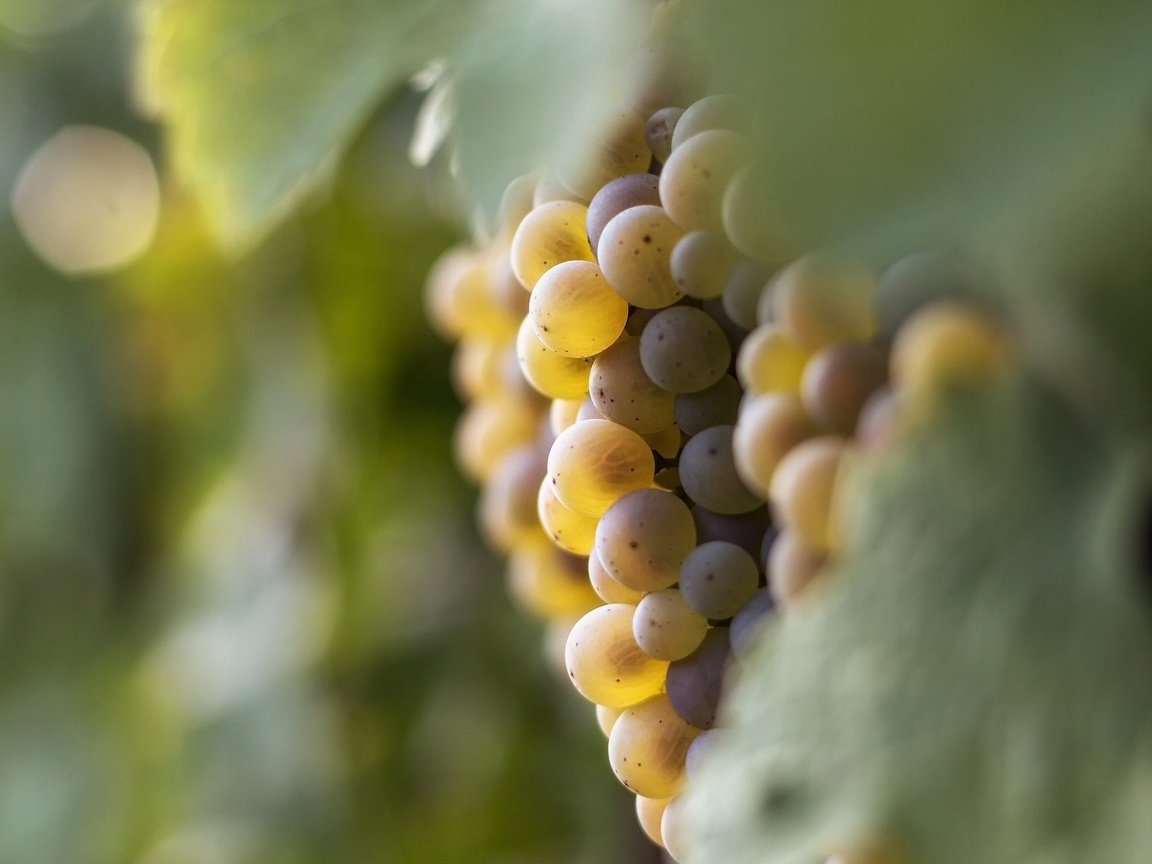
(779, 798)
(712, 451)
(647, 239)
(633, 545)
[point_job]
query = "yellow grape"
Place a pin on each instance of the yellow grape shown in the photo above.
(606, 718)
(604, 662)
(574, 310)
(552, 374)
(552, 233)
(666, 441)
(489, 430)
(803, 490)
(595, 462)
(946, 346)
(769, 426)
(507, 507)
(819, 301)
(571, 531)
(562, 414)
(634, 251)
(792, 565)
(648, 813)
(547, 582)
(648, 746)
(770, 361)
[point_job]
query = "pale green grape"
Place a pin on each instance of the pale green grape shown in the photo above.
(771, 361)
(838, 381)
(659, 129)
(644, 537)
(715, 111)
(623, 150)
(562, 413)
(574, 310)
(683, 350)
(595, 462)
(770, 425)
(696, 175)
(649, 812)
(623, 392)
(604, 662)
(574, 532)
(507, 507)
(615, 197)
(803, 490)
(701, 263)
(552, 374)
(743, 290)
(717, 578)
(547, 582)
(606, 586)
(634, 251)
(751, 223)
(551, 234)
(666, 626)
(819, 301)
(708, 473)
(718, 405)
(792, 565)
(647, 748)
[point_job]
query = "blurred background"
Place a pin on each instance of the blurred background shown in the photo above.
(244, 612)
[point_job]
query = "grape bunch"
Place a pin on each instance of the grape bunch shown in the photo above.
(663, 417)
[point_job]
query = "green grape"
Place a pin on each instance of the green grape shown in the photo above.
(604, 662)
(751, 225)
(644, 537)
(673, 832)
(659, 129)
(718, 405)
(746, 530)
(489, 430)
(551, 234)
(615, 197)
(943, 347)
(701, 263)
(606, 718)
(595, 462)
(574, 532)
(716, 111)
(696, 175)
(742, 292)
(666, 441)
(666, 626)
(838, 381)
(770, 361)
(547, 582)
(717, 578)
(821, 301)
(750, 621)
(562, 413)
(624, 394)
(733, 332)
(574, 310)
(624, 150)
(552, 374)
(649, 812)
(507, 507)
(792, 565)
(606, 586)
(634, 251)
(647, 748)
(770, 425)
(803, 490)
(708, 473)
(683, 350)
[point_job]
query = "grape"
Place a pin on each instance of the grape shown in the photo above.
(733, 332)
(644, 537)
(506, 296)
(673, 832)
(624, 394)
(562, 413)
(548, 582)
(917, 281)
(717, 578)
(604, 662)
(615, 197)
(666, 627)
(440, 304)
(507, 507)
(770, 361)
(478, 368)
(666, 442)
(550, 189)
(588, 411)
(634, 250)
(668, 478)
(638, 320)
(838, 381)
(606, 718)
(649, 812)
(717, 405)
(694, 683)
(516, 203)
(595, 462)
(463, 296)
(696, 175)
(751, 225)
(946, 346)
(708, 473)
(647, 748)
(552, 374)
(698, 751)
(556, 632)
(803, 490)
(574, 310)
(488, 431)
(603, 583)
(659, 129)
(743, 290)
(745, 530)
(701, 263)
(877, 426)
(750, 621)
(571, 531)
(551, 234)
(717, 111)
(791, 566)
(770, 425)
(821, 301)
(683, 350)
(624, 150)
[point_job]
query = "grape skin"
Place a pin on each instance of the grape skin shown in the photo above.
(549, 373)
(507, 506)
(838, 381)
(551, 234)
(647, 748)
(769, 427)
(571, 531)
(574, 310)
(750, 621)
(820, 301)
(701, 263)
(659, 129)
(708, 473)
(624, 150)
(666, 626)
(696, 175)
(649, 812)
(607, 587)
(944, 347)
(683, 350)
(694, 683)
(792, 565)
(615, 197)
(770, 361)
(643, 538)
(604, 662)
(718, 405)
(803, 488)
(634, 252)
(715, 111)
(595, 462)
(624, 394)
(548, 582)
(717, 579)
(745, 530)
(488, 431)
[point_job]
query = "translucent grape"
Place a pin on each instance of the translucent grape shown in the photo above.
(666, 441)
(549, 373)
(549, 189)
(683, 350)
(624, 150)
(634, 250)
(507, 507)
(821, 301)
(715, 111)
(750, 621)
(623, 392)
(606, 586)
(649, 812)
(717, 405)
(440, 287)
(668, 478)
(708, 473)
(606, 718)
(489, 430)
(803, 490)
(742, 292)
(615, 197)
(595, 462)
(647, 748)
(696, 175)
(574, 532)
(769, 427)
(574, 310)
(701, 263)
(551, 234)
(838, 381)
(658, 131)
(548, 582)
(694, 683)
(666, 627)
(562, 413)
(792, 565)
(644, 537)
(770, 361)
(515, 204)
(463, 296)
(604, 662)
(946, 346)
(745, 530)
(717, 578)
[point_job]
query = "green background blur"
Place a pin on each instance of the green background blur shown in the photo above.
(244, 613)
